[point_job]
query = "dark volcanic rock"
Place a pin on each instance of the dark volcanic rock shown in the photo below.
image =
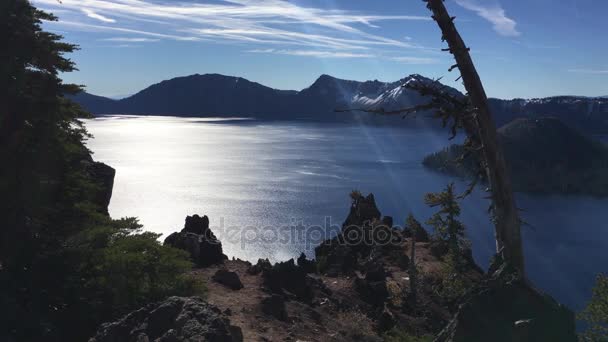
(274, 305)
(372, 287)
(363, 211)
(196, 224)
(262, 264)
(421, 234)
(103, 175)
(508, 309)
(175, 319)
(228, 278)
(309, 266)
(290, 277)
(363, 234)
(196, 238)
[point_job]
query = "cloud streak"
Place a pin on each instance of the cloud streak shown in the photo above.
(339, 54)
(314, 53)
(493, 13)
(89, 13)
(131, 40)
(590, 71)
(262, 22)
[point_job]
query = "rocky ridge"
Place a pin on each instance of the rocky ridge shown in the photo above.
(357, 289)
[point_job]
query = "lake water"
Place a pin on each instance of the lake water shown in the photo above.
(256, 181)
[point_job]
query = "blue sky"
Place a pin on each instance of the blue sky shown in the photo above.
(522, 48)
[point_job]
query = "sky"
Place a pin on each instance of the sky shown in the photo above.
(522, 48)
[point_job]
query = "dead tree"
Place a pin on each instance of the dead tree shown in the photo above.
(480, 123)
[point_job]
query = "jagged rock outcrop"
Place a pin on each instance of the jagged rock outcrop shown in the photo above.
(364, 233)
(506, 308)
(259, 267)
(197, 239)
(103, 176)
(174, 319)
(287, 276)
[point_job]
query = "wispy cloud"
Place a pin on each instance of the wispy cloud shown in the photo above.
(130, 39)
(491, 11)
(273, 23)
(340, 54)
(415, 60)
(314, 53)
(590, 71)
(99, 17)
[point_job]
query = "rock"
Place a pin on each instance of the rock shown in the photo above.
(421, 234)
(387, 320)
(228, 278)
(373, 286)
(103, 175)
(363, 211)
(196, 224)
(197, 239)
(438, 248)
(387, 221)
(334, 257)
(262, 264)
(274, 305)
(174, 319)
(508, 309)
(287, 276)
(309, 266)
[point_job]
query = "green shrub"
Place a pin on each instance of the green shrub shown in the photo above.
(400, 335)
(596, 312)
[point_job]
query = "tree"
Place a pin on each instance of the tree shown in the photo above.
(65, 265)
(481, 125)
(596, 312)
(447, 227)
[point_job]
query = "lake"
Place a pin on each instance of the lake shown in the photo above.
(261, 182)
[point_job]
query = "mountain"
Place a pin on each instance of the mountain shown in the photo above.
(544, 156)
(588, 114)
(227, 96)
(222, 96)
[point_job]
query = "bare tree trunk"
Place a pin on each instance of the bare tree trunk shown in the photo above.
(507, 222)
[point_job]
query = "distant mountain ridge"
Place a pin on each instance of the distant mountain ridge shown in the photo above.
(589, 114)
(222, 96)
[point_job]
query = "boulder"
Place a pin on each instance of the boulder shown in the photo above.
(507, 308)
(197, 239)
(228, 278)
(174, 319)
(274, 305)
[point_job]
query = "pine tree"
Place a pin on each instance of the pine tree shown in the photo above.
(444, 221)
